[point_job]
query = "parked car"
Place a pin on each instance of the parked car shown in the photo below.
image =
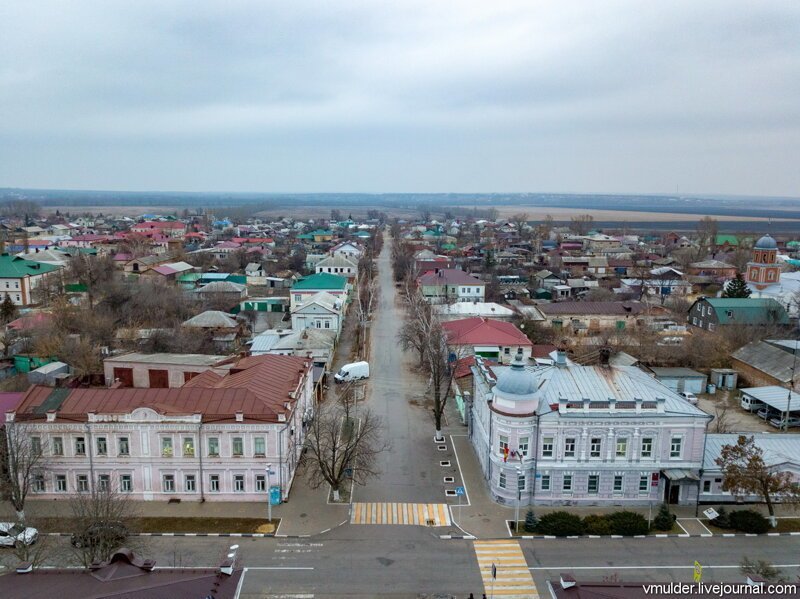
(767, 413)
(13, 535)
(111, 533)
(690, 397)
(791, 422)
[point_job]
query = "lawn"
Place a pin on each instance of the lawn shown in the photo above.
(175, 525)
(784, 525)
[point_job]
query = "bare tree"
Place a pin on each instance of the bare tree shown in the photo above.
(520, 222)
(418, 324)
(100, 519)
(91, 271)
(441, 370)
(722, 420)
(367, 292)
(343, 442)
(707, 230)
(581, 224)
(744, 472)
(25, 463)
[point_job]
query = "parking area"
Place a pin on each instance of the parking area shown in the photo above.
(735, 418)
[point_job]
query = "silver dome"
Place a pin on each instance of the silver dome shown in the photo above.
(766, 243)
(515, 382)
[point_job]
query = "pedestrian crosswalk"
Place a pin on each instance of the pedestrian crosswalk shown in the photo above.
(513, 577)
(415, 514)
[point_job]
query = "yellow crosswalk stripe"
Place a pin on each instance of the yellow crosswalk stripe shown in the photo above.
(415, 514)
(513, 577)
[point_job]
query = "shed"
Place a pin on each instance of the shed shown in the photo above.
(682, 380)
(724, 378)
(48, 374)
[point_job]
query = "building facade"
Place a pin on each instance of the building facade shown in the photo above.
(210, 440)
(583, 435)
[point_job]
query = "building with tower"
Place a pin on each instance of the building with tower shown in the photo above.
(763, 270)
(566, 434)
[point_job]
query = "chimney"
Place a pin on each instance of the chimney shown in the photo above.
(239, 416)
(605, 354)
(561, 357)
(51, 415)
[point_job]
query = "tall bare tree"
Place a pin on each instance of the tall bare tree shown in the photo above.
(343, 442)
(581, 224)
(25, 459)
(520, 222)
(100, 520)
(439, 364)
(367, 292)
(744, 472)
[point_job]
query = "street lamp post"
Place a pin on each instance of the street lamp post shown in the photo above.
(519, 500)
(269, 495)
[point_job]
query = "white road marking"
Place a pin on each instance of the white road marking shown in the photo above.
(646, 567)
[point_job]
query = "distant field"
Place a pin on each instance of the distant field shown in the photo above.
(538, 213)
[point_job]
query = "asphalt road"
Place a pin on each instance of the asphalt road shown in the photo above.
(406, 561)
(409, 472)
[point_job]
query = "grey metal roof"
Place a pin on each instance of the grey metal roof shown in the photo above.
(774, 396)
(778, 448)
(167, 358)
(683, 373)
(211, 319)
(774, 361)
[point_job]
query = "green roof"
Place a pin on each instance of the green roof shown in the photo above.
(14, 267)
(729, 239)
(321, 232)
(305, 236)
(745, 310)
(323, 280)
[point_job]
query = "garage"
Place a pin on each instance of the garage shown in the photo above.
(681, 380)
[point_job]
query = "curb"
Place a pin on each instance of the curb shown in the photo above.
(245, 535)
(655, 536)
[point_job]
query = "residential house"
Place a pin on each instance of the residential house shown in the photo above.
(223, 293)
(223, 331)
(592, 317)
(156, 371)
(716, 270)
(139, 265)
(451, 285)
(335, 285)
(565, 434)
(711, 312)
(20, 277)
(210, 440)
(338, 265)
(493, 339)
(170, 228)
(348, 249)
(321, 311)
(461, 310)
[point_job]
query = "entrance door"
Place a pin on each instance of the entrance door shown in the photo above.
(159, 379)
(674, 493)
(124, 376)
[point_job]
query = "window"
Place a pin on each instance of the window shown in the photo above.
(123, 445)
(594, 450)
(261, 483)
(545, 484)
(238, 483)
(644, 481)
(647, 447)
(259, 446)
(507, 351)
(58, 446)
(103, 482)
(125, 483)
(238, 447)
(502, 481)
(166, 447)
(80, 446)
(706, 486)
(622, 448)
(594, 484)
(327, 324)
(189, 483)
(102, 446)
(547, 447)
(83, 483)
(503, 444)
(618, 482)
(675, 447)
(61, 483)
(567, 483)
(523, 446)
(214, 480)
(38, 483)
(36, 446)
(213, 446)
(188, 447)
(569, 447)
(168, 483)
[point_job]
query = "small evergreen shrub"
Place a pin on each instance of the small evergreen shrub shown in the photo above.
(595, 524)
(530, 521)
(723, 519)
(749, 521)
(560, 524)
(628, 523)
(664, 518)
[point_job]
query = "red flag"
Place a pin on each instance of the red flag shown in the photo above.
(505, 453)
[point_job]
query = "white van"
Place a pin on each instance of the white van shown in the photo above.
(751, 404)
(354, 371)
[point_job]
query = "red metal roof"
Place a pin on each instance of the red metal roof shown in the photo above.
(484, 331)
(257, 387)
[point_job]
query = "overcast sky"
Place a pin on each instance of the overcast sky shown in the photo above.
(463, 96)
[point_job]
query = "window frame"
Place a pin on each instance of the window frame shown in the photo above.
(548, 447)
(595, 441)
(647, 442)
(593, 478)
(570, 441)
(237, 441)
(123, 442)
